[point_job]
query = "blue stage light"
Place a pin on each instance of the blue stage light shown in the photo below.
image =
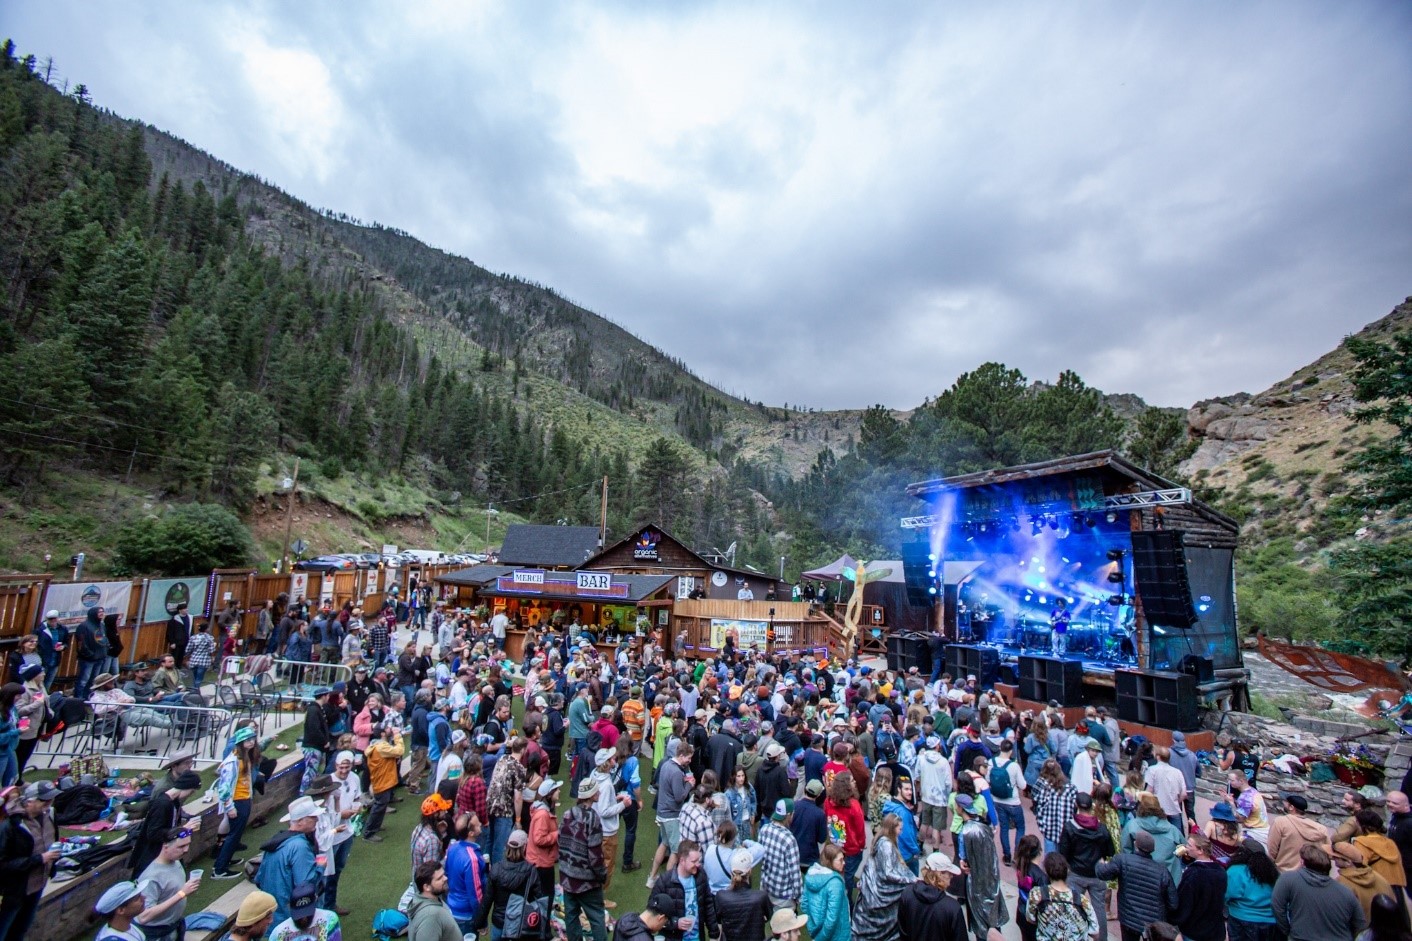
(931, 590)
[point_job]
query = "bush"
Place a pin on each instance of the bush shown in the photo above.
(194, 537)
(331, 468)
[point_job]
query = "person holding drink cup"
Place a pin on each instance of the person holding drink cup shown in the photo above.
(165, 886)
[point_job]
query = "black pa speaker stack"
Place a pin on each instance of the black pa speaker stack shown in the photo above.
(1043, 679)
(983, 663)
(1159, 568)
(916, 573)
(1165, 700)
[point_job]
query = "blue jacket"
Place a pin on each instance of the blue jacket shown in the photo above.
(301, 648)
(47, 654)
(825, 904)
(907, 844)
(289, 862)
(438, 736)
(467, 877)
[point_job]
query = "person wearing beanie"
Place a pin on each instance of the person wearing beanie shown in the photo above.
(1291, 830)
(1310, 906)
(1355, 873)
(1201, 895)
(512, 877)
(163, 813)
(1084, 842)
(254, 917)
(1184, 760)
(1146, 892)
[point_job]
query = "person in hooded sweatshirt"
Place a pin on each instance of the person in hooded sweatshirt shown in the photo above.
(1382, 853)
(428, 917)
(1310, 906)
(1184, 760)
(1291, 830)
(652, 921)
(1085, 842)
(1166, 838)
(1362, 881)
(926, 912)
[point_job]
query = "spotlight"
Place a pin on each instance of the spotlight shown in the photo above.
(983, 527)
(1036, 525)
(931, 590)
(1116, 555)
(931, 556)
(1112, 517)
(1115, 600)
(1115, 576)
(1054, 522)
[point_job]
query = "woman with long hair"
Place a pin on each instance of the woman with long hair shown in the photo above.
(846, 827)
(881, 882)
(1058, 912)
(235, 791)
(1388, 921)
(366, 724)
(741, 796)
(9, 733)
(1054, 799)
(543, 850)
(1036, 745)
(1166, 838)
(1250, 880)
(26, 655)
(32, 707)
(1029, 875)
(1223, 830)
(825, 901)
(878, 794)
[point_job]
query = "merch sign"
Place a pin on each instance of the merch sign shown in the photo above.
(164, 594)
(73, 600)
(528, 577)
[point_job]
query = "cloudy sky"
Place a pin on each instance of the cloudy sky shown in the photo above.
(835, 204)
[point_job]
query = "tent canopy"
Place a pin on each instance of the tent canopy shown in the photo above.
(834, 570)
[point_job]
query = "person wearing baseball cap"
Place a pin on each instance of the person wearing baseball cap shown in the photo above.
(306, 919)
(741, 910)
(926, 910)
(51, 645)
(164, 812)
(289, 856)
(121, 903)
(25, 837)
(1146, 892)
(1291, 830)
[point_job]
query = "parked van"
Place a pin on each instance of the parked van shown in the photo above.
(424, 556)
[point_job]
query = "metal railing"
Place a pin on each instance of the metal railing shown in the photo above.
(291, 679)
(144, 730)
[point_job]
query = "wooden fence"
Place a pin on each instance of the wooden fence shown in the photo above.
(22, 603)
(795, 626)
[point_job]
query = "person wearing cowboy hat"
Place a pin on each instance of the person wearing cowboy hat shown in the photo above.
(582, 867)
(330, 823)
(290, 856)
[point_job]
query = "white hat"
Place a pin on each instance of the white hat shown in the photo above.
(940, 862)
(302, 807)
(457, 737)
(549, 786)
(742, 860)
(343, 756)
(52, 613)
(604, 755)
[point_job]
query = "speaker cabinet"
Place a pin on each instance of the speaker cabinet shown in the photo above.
(1159, 569)
(1166, 700)
(1051, 678)
(907, 649)
(1200, 667)
(964, 660)
(916, 574)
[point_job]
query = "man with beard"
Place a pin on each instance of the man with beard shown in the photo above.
(429, 918)
(254, 917)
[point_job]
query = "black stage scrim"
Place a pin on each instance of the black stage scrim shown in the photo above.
(1211, 574)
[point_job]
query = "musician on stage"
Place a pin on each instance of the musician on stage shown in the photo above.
(1059, 629)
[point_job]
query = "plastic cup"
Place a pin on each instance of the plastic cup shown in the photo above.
(197, 874)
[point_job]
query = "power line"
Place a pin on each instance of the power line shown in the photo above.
(102, 418)
(105, 447)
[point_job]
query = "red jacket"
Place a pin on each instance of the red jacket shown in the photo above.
(846, 826)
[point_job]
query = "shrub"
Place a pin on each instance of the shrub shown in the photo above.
(193, 537)
(331, 468)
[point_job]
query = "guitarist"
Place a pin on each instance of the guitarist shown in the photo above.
(1059, 629)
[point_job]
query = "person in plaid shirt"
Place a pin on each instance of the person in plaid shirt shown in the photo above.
(470, 796)
(696, 822)
(379, 640)
(779, 875)
(200, 653)
(505, 798)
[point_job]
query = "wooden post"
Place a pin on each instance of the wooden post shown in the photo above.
(603, 516)
(289, 518)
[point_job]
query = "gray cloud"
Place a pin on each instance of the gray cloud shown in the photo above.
(834, 207)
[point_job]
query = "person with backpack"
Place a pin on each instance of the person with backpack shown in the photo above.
(1085, 842)
(1058, 912)
(511, 878)
(1006, 786)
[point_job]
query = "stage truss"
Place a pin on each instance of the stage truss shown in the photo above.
(1176, 496)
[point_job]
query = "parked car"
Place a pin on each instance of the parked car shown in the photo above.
(325, 563)
(424, 556)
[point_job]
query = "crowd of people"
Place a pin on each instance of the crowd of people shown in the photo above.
(789, 793)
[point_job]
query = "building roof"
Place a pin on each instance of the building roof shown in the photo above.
(639, 588)
(705, 563)
(548, 546)
(476, 575)
(1109, 462)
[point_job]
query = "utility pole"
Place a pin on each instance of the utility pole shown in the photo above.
(603, 516)
(289, 517)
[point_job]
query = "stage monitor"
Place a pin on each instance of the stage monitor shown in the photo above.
(1211, 575)
(1160, 571)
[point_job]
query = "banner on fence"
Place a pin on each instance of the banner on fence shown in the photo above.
(747, 634)
(74, 599)
(298, 586)
(164, 594)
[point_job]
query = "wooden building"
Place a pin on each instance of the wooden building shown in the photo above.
(650, 550)
(549, 547)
